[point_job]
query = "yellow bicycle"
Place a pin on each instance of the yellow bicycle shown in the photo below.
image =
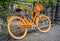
(22, 23)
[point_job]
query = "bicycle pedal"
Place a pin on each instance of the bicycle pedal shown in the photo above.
(33, 27)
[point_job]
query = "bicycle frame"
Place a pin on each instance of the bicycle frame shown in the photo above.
(24, 23)
(31, 22)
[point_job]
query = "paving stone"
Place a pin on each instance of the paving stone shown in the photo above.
(52, 35)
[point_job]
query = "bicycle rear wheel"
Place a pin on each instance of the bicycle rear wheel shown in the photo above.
(13, 29)
(44, 23)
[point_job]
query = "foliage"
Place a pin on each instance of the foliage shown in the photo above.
(44, 2)
(4, 4)
(20, 5)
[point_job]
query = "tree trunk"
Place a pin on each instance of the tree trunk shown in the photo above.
(57, 14)
(52, 15)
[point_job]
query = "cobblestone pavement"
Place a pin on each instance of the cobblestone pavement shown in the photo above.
(52, 35)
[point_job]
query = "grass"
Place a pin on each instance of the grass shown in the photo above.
(4, 31)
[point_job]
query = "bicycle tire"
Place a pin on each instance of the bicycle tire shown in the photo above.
(49, 23)
(9, 28)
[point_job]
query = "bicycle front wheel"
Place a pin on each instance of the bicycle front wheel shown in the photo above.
(13, 29)
(44, 23)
